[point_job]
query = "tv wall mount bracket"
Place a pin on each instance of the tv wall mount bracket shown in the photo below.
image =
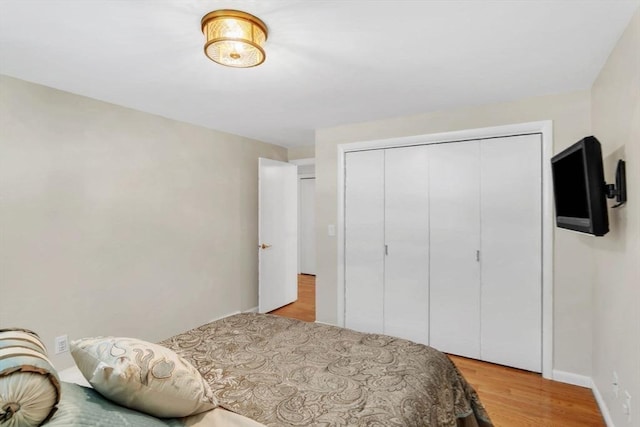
(619, 189)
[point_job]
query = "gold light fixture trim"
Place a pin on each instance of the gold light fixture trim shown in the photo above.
(234, 38)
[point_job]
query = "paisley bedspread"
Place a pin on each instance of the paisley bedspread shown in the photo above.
(285, 372)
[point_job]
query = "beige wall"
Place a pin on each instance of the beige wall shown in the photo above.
(306, 152)
(117, 222)
(616, 318)
(573, 272)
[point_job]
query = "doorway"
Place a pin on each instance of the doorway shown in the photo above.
(306, 221)
(305, 307)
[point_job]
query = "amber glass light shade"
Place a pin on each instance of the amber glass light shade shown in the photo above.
(234, 38)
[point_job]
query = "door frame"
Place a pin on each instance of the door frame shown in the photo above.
(545, 129)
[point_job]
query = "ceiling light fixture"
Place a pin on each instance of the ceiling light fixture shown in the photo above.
(234, 38)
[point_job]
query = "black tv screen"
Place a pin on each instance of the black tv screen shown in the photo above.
(579, 188)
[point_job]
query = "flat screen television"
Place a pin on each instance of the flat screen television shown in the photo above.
(579, 188)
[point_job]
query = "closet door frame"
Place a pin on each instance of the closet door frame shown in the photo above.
(545, 129)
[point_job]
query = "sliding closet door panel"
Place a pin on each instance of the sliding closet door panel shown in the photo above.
(406, 292)
(454, 188)
(511, 251)
(364, 240)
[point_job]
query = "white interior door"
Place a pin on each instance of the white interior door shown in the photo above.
(307, 220)
(278, 234)
(364, 241)
(406, 283)
(511, 179)
(454, 188)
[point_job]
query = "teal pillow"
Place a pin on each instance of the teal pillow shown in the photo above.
(85, 407)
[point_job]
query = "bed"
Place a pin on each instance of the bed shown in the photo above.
(265, 370)
(279, 372)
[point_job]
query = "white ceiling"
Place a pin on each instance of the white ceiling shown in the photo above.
(328, 62)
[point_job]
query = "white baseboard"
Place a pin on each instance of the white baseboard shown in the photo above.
(324, 323)
(223, 316)
(604, 410)
(250, 310)
(571, 378)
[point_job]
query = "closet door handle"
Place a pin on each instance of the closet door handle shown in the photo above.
(386, 249)
(478, 255)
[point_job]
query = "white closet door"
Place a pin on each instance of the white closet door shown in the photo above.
(455, 238)
(364, 240)
(406, 290)
(511, 251)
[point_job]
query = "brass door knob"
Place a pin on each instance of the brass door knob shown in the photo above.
(264, 246)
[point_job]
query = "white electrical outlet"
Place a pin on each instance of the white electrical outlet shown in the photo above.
(62, 344)
(615, 384)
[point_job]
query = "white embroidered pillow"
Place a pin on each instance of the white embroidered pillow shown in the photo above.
(143, 376)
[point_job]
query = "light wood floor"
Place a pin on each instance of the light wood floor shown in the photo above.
(513, 398)
(305, 307)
